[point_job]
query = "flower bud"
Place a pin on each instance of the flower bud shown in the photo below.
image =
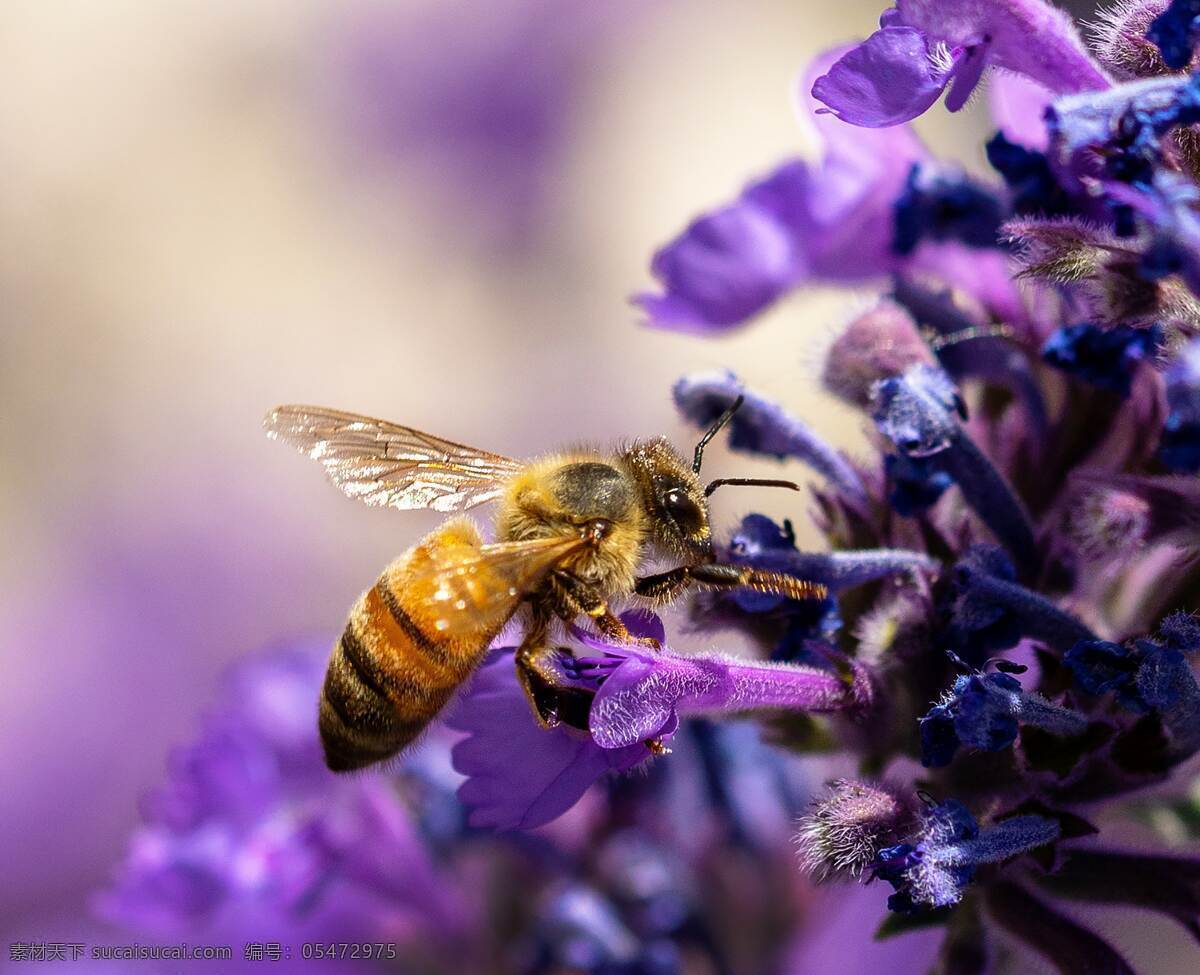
(881, 342)
(845, 828)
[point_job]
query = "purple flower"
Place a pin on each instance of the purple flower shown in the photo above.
(923, 46)
(520, 775)
(252, 833)
(803, 222)
(642, 693)
(932, 869)
(983, 711)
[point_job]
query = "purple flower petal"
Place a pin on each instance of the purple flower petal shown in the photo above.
(520, 775)
(887, 79)
(1029, 37)
(725, 267)
(1019, 109)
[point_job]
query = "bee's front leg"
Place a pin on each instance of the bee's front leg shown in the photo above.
(667, 585)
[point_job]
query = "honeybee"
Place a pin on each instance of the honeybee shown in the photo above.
(574, 531)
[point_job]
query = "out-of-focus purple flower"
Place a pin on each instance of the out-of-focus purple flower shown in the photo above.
(520, 775)
(763, 427)
(924, 45)
(252, 833)
(943, 205)
(1104, 357)
(1179, 445)
(488, 126)
(932, 869)
(919, 413)
(1174, 32)
(1029, 177)
(983, 711)
(1149, 675)
(730, 264)
(829, 221)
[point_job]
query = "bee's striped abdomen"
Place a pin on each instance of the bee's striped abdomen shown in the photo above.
(389, 676)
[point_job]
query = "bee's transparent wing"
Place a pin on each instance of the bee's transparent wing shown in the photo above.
(384, 463)
(465, 593)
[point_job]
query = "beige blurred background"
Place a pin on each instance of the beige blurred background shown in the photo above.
(192, 230)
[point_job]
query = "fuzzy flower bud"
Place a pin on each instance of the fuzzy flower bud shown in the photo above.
(1106, 522)
(881, 342)
(1149, 676)
(1120, 43)
(846, 827)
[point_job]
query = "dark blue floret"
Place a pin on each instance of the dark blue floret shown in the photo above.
(1100, 666)
(915, 483)
(1106, 358)
(1149, 675)
(980, 626)
(943, 207)
(1172, 32)
(980, 711)
(918, 871)
(985, 720)
(939, 740)
(1028, 175)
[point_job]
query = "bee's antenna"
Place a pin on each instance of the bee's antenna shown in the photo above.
(751, 481)
(714, 430)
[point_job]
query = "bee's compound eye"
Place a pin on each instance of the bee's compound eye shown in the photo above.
(683, 510)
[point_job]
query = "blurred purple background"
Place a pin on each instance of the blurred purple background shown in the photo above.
(431, 212)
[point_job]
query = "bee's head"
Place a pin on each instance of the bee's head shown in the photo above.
(673, 498)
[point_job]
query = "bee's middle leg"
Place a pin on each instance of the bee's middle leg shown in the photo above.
(573, 597)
